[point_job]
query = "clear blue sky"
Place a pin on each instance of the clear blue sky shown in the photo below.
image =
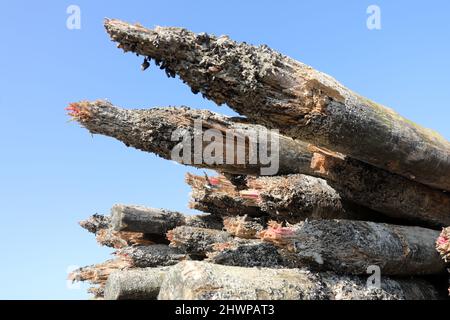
(53, 173)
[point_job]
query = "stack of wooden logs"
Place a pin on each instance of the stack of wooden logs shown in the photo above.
(359, 189)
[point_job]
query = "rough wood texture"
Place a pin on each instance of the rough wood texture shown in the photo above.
(101, 226)
(192, 280)
(280, 92)
(291, 198)
(153, 130)
(251, 253)
(98, 274)
(196, 241)
(157, 255)
(353, 180)
(244, 227)
(136, 284)
(143, 219)
(350, 247)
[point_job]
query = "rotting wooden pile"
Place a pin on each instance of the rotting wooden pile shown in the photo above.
(358, 187)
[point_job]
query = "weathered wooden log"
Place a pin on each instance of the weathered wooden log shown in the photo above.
(292, 198)
(354, 181)
(181, 134)
(105, 235)
(195, 280)
(156, 221)
(350, 247)
(196, 241)
(135, 284)
(157, 255)
(280, 92)
(143, 219)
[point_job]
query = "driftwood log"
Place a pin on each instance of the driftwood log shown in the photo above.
(191, 280)
(282, 93)
(350, 247)
(353, 180)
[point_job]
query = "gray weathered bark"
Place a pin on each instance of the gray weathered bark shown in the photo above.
(251, 253)
(196, 241)
(136, 284)
(280, 92)
(157, 221)
(355, 181)
(350, 247)
(145, 220)
(157, 255)
(194, 280)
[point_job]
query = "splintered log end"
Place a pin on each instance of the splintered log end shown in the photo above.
(121, 239)
(219, 196)
(243, 226)
(443, 244)
(277, 234)
(79, 111)
(98, 274)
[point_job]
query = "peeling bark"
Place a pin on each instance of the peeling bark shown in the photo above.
(194, 280)
(280, 92)
(136, 284)
(350, 247)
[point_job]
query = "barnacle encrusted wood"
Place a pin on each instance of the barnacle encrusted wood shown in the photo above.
(350, 247)
(279, 92)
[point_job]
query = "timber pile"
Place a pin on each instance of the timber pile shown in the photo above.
(357, 185)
